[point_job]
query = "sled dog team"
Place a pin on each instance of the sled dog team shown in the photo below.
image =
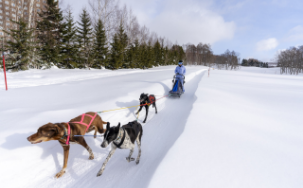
(122, 137)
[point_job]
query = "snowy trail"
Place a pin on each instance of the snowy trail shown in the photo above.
(32, 78)
(35, 106)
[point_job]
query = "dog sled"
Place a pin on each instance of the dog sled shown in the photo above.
(177, 89)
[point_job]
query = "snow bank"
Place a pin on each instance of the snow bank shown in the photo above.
(245, 130)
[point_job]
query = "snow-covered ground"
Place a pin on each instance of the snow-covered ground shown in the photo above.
(234, 129)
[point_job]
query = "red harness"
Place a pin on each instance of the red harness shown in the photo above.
(82, 123)
(152, 99)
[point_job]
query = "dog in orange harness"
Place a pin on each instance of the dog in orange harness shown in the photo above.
(146, 100)
(63, 132)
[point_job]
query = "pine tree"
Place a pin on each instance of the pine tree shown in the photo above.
(119, 50)
(143, 54)
(49, 31)
(100, 49)
(84, 34)
(20, 45)
(123, 40)
(135, 54)
(150, 57)
(116, 60)
(157, 53)
(69, 48)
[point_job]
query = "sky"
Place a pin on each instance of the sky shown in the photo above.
(253, 28)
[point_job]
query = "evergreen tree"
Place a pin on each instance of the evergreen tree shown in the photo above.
(119, 50)
(123, 40)
(150, 56)
(244, 62)
(69, 48)
(20, 45)
(135, 54)
(49, 31)
(143, 56)
(157, 53)
(116, 59)
(84, 35)
(100, 49)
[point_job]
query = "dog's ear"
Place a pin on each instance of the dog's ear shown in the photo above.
(55, 128)
(107, 126)
(118, 127)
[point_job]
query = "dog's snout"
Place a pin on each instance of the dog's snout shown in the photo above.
(29, 138)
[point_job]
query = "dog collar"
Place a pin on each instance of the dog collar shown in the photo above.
(65, 133)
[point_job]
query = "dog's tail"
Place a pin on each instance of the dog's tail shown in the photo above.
(103, 122)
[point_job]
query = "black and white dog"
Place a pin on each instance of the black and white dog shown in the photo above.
(147, 99)
(123, 138)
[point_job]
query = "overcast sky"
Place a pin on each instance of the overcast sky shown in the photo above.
(254, 28)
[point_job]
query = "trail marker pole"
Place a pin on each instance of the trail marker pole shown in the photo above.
(4, 69)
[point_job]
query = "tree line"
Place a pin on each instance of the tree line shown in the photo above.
(106, 36)
(254, 63)
(290, 61)
(202, 54)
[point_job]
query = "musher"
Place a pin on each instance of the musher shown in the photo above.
(180, 73)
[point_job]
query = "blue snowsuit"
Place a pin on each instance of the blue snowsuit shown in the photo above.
(182, 71)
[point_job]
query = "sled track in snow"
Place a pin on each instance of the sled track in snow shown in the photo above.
(160, 133)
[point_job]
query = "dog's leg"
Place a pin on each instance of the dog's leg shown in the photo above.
(139, 147)
(129, 159)
(96, 129)
(146, 108)
(106, 160)
(139, 109)
(155, 107)
(66, 152)
(83, 143)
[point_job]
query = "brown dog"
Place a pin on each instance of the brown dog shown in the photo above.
(59, 131)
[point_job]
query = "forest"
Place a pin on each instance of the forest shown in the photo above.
(106, 35)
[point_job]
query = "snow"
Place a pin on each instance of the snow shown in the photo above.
(234, 129)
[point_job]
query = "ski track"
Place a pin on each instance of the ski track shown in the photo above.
(44, 160)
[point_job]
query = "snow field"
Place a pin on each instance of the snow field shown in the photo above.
(234, 129)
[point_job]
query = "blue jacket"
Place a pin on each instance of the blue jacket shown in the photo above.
(181, 70)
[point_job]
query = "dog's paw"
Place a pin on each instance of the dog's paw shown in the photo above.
(137, 162)
(99, 174)
(91, 157)
(58, 175)
(129, 159)
(144, 121)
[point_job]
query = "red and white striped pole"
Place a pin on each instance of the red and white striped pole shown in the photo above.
(3, 58)
(4, 70)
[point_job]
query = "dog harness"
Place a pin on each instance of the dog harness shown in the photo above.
(82, 119)
(122, 140)
(152, 99)
(82, 123)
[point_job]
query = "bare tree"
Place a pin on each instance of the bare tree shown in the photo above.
(105, 10)
(291, 60)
